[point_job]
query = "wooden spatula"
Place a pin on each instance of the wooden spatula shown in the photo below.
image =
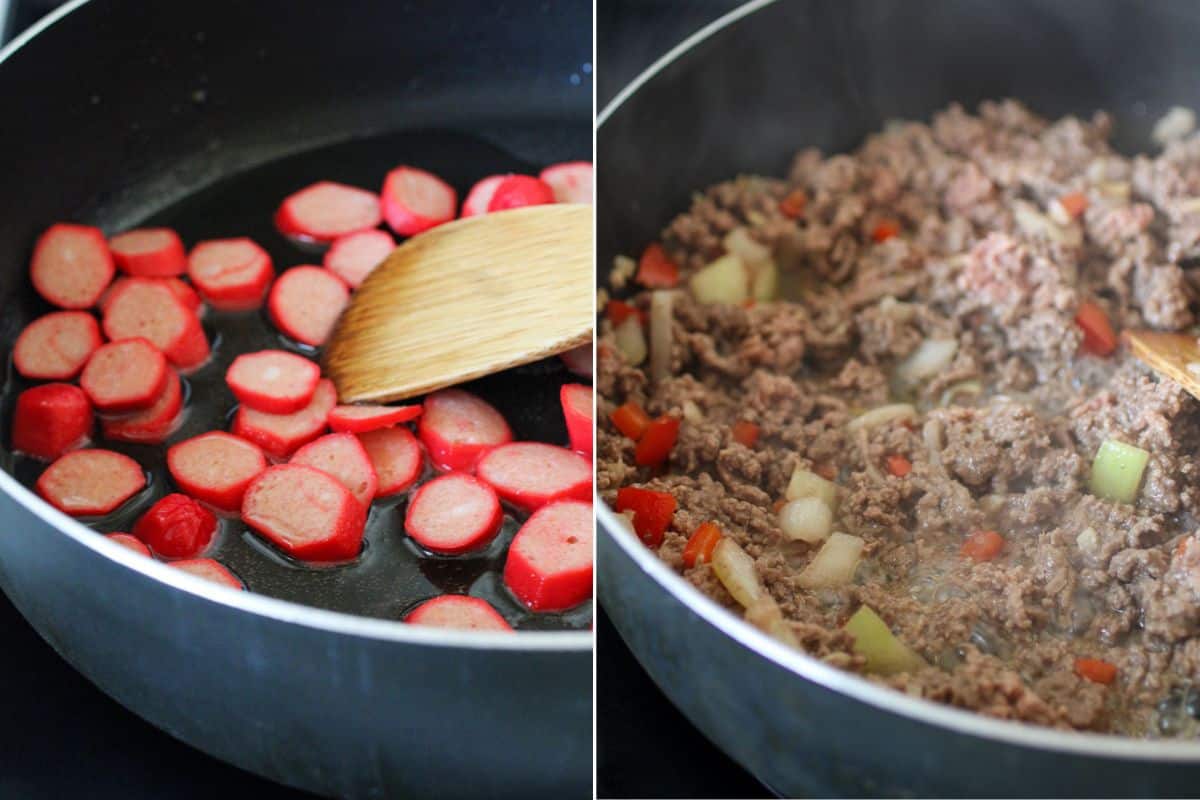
(1175, 355)
(467, 299)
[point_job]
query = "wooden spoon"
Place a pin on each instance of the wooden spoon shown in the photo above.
(466, 299)
(1174, 355)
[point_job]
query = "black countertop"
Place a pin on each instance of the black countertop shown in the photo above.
(645, 747)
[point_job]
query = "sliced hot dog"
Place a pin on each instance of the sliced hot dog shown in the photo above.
(124, 376)
(176, 527)
(129, 542)
(326, 210)
(149, 253)
(360, 419)
(415, 200)
(342, 456)
(571, 181)
(279, 435)
(71, 265)
(51, 419)
(396, 456)
(216, 468)
(458, 611)
(549, 566)
(55, 347)
(579, 360)
(305, 303)
(532, 474)
(210, 570)
(481, 195)
(230, 274)
(306, 513)
(148, 308)
(182, 290)
(352, 258)
(577, 411)
(453, 514)
(457, 428)
(275, 381)
(154, 424)
(86, 483)
(518, 191)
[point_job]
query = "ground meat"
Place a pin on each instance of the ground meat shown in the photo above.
(1006, 426)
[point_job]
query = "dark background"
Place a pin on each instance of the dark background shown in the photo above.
(644, 747)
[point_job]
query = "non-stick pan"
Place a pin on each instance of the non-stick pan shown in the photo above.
(742, 96)
(118, 110)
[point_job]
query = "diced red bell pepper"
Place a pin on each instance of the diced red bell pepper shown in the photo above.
(793, 205)
(745, 433)
(885, 229)
(656, 270)
(1074, 204)
(982, 545)
(656, 443)
(700, 546)
(652, 512)
(898, 465)
(1098, 336)
(1095, 670)
(618, 311)
(630, 420)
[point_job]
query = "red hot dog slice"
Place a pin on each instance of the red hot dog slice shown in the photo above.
(306, 513)
(532, 474)
(71, 265)
(458, 611)
(86, 483)
(453, 514)
(549, 566)
(55, 347)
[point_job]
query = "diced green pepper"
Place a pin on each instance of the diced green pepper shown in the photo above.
(1117, 471)
(884, 652)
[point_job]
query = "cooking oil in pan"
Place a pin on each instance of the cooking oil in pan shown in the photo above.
(392, 574)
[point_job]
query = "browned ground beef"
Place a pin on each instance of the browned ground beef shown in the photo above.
(1000, 637)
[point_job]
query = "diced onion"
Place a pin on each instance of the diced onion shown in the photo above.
(1177, 123)
(1117, 471)
(631, 341)
(1115, 190)
(808, 519)
(660, 334)
(1034, 223)
(767, 617)
(722, 281)
(834, 564)
(692, 412)
(931, 357)
(1088, 541)
(766, 281)
(739, 243)
(963, 387)
(735, 570)
(623, 269)
(805, 483)
(882, 415)
(885, 654)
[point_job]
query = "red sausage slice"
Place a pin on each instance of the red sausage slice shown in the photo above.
(360, 419)
(326, 210)
(148, 308)
(352, 258)
(396, 456)
(577, 411)
(341, 456)
(532, 474)
(210, 570)
(549, 566)
(129, 542)
(55, 347)
(216, 468)
(149, 253)
(86, 483)
(453, 514)
(183, 292)
(176, 527)
(51, 419)
(458, 428)
(279, 435)
(153, 425)
(579, 360)
(481, 195)
(71, 265)
(571, 182)
(123, 376)
(415, 200)
(230, 274)
(306, 513)
(305, 303)
(275, 381)
(458, 611)
(518, 191)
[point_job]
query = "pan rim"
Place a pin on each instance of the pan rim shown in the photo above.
(800, 663)
(280, 610)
